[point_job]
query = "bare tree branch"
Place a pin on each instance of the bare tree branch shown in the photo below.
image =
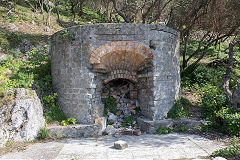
(119, 12)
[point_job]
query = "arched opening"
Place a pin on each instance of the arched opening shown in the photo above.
(120, 97)
(125, 69)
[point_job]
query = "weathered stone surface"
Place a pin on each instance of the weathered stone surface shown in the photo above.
(22, 118)
(76, 131)
(112, 118)
(120, 144)
(150, 126)
(189, 123)
(110, 130)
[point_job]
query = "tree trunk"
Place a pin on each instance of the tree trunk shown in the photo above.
(73, 11)
(80, 13)
(57, 9)
(41, 2)
(186, 39)
(227, 75)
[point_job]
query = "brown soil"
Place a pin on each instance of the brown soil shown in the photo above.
(13, 146)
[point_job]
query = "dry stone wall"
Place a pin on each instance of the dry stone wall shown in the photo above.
(85, 58)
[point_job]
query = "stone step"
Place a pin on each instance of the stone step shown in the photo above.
(76, 131)
(150, 126)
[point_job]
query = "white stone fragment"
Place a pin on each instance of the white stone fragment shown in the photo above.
(120, 144)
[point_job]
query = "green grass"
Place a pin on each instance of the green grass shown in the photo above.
(43, 133)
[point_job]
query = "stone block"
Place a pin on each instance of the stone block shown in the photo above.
(120, 145)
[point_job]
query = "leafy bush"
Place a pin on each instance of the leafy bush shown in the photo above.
(228, 152)
(164, 130)
(52, 112)
(4, 42)
(231, 120)
(212, 101)
(65, 35)
(202, 75)
(128, 121)
(68, 121)
(110, 105)
(43, 133)
(210, 127)
(180, 128)
(180, 108)
(9, 143)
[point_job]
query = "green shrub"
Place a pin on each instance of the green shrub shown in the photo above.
(52, 112)
(210, 127)
(4, 42)
(137, 109)
(9, 143)
(65, 35)
(180, 109)
(228, 152)
(128, 121)
(180, 128)
(202, 75)
(43, 133)
(230, 118)
(110, 105)
(212, 101)
(164, 130)
(68, 121)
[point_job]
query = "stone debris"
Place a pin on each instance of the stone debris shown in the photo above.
(120, 144)
(112, 118)
(124, 94)
(110, 130)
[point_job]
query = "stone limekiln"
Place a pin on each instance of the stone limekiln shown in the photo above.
(86, 58)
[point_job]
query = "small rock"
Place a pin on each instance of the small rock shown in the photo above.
(47, 29)
(13, 27)
(110, 130)
(120, 144)
(112, 118)
(119, 113)
(219, 158)
(33, 22)
(116, 125)
(128, 132)
(10, 14)
(126, 113)
(132, 111)
(137, 132)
